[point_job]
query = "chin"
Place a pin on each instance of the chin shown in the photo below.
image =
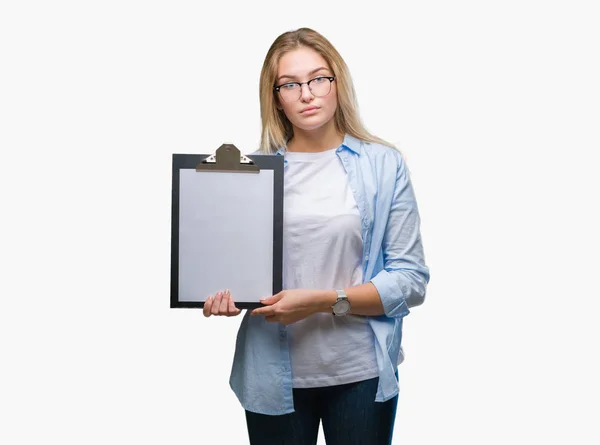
(308, 125)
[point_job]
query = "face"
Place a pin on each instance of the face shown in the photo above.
(308, 111)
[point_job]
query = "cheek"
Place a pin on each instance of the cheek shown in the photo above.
(288, 113)
(331, 105)
(331, 99)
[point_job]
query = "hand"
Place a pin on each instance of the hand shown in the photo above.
(220, 304)
(290, 306)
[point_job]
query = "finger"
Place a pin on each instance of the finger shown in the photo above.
(266, 311)
(216, 303)
(207, 306)
(272, 299)
(224, 304)
(232, 310)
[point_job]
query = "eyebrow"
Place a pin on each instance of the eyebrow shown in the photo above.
(310, 73)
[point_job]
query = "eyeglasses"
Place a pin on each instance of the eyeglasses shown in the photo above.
(292, 91)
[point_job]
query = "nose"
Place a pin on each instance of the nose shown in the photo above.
(306, 94)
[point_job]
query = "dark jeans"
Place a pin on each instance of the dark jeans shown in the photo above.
(349, 413)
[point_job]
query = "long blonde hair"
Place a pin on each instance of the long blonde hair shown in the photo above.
(276, 128)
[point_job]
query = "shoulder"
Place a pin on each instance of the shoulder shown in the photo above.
(383, 156)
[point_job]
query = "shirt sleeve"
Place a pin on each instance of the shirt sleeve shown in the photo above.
(403, 280)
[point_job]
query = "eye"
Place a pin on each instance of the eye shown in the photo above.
(289, 86)
(320, 79)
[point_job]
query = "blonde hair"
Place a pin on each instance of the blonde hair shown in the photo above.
(276, 128)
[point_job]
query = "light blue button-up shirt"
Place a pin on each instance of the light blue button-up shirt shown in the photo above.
(393, 260)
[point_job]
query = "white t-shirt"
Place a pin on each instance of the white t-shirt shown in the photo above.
(322, 249)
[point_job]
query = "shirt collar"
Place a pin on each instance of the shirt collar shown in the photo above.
(349, 142)
(353, 144)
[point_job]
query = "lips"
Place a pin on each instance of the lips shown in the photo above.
(309, 109)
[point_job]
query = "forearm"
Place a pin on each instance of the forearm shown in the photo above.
(364, 300)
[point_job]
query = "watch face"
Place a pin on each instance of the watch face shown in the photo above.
(341, 307)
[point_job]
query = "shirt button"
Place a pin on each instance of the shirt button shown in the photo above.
(366, 257)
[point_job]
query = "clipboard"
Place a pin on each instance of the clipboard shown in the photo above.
(226, 227)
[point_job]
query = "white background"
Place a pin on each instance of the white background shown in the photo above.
(496, 108)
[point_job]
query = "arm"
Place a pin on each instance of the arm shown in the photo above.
(364, 300)
(402, 282)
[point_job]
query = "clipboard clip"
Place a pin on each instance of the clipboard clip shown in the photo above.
(228, 158)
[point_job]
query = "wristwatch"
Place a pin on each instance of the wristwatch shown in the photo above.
(342, 305)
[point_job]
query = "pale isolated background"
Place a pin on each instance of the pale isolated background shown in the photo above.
(494, 104)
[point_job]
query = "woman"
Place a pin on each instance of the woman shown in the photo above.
(327, 347)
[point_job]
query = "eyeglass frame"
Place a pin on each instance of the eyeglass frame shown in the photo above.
(330, 78)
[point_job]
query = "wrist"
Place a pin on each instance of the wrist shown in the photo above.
(326, 300)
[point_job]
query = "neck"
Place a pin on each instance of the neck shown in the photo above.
(313, 141)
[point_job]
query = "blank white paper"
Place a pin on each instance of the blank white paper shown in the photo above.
(225, 234)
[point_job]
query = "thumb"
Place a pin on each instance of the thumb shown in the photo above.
(272, 299)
